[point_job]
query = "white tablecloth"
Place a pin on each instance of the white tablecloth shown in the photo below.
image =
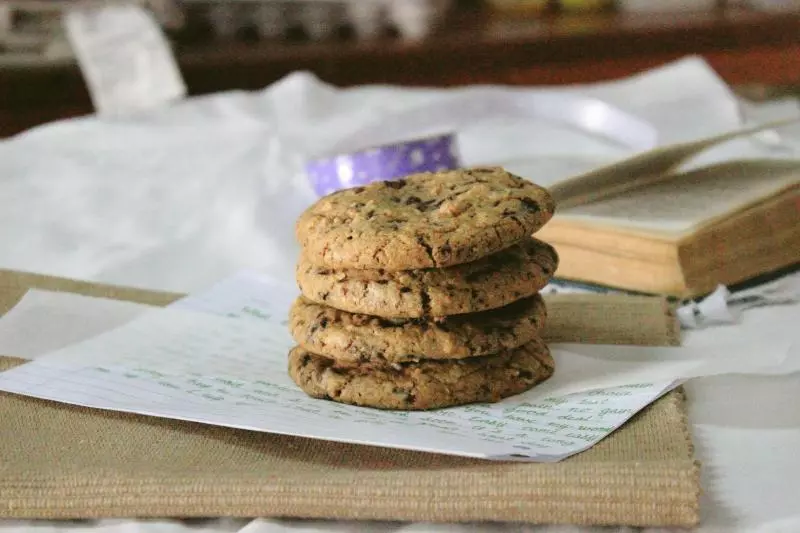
(178, 198)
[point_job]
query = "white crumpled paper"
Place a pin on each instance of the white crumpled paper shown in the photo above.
(724, 307)
(176, 198)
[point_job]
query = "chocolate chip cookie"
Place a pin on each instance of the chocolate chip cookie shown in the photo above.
(355, 338)
(488, 283)
(424, 385)
(423, 221)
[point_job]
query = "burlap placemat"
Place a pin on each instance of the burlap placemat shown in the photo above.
(58, 461)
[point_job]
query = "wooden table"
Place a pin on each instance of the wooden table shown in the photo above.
(476, 46)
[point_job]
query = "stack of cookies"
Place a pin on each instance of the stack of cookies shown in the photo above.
(423, 293)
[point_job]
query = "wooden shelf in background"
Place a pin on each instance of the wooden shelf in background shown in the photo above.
(745, 47)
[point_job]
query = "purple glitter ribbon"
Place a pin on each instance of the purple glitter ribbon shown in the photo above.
(383, 163)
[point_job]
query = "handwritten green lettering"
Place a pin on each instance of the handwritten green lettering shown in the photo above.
(604, 412)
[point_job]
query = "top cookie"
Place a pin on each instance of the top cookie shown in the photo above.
(423, 221)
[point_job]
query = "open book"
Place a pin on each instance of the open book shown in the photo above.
(644, 226)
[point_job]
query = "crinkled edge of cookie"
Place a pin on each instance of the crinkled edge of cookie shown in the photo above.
(357, 338)
(489, 283)
(424, 385)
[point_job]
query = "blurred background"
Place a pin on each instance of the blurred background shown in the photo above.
(754, 45)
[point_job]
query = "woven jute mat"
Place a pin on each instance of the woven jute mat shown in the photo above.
(63, 462)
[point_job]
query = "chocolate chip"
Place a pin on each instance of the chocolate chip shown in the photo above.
(524, 374)
(323, 323)
(427, 247)
(531, 205)
(325, 296)
(305, 360)
(404, 290)
(425, 301)
(396, 184)
(386, 323)
(323, 272)
(382, 281)
(359, 190)
(370, 213)
(413, 200)
(426, 205)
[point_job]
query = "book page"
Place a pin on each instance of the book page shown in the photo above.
(689, 200)
(651, 167)
(195, 361)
